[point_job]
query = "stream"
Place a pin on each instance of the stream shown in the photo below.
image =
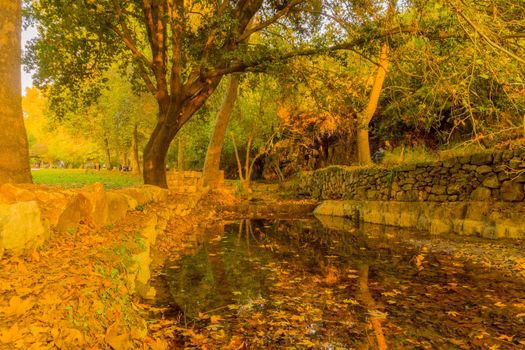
(305, 284)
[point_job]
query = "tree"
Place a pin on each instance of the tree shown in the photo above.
(210, 175)
(14, 155)
(180, 49)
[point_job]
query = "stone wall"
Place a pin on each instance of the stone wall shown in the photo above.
(187, 181)
(481, 219)
(29, 213)
(498, 176)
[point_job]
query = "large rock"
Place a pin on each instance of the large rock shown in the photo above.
(10, 193)
(96, 208)
(21, 226)
(117, 207)
(512, 191)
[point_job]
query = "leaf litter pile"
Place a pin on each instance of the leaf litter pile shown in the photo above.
(73, 293)
(292, 284)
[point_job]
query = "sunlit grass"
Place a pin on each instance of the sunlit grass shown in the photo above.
(71, 178)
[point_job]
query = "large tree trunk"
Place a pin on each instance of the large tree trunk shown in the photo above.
(135, 161)
(210, 176)
(364, 118)
(155, 154)
(14, 151)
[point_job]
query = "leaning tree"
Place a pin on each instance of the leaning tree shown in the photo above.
(179, 50)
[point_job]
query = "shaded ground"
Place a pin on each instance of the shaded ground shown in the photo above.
(70, 178)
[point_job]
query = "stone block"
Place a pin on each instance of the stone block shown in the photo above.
(117, 207)
(512, 191)
(484, 169)
(21, 226)
(481, 159)
(440, 226)
(481, 194)
(491, 182)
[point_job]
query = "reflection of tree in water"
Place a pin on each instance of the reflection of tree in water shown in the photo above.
(222, 271)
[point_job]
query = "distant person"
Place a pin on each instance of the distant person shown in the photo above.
(378, 155)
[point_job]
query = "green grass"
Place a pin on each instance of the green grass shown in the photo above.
(71, 178)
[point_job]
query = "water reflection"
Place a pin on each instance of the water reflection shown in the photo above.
(299, 284)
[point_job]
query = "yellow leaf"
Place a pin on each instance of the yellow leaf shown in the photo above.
(506, 337)
(114, 339)
(499, 304)
(11, 335)
(216, 319)
(452, 313)
(17, 306)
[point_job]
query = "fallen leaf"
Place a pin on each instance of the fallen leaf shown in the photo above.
(11, 335)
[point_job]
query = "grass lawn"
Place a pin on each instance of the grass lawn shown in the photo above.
(70, 178)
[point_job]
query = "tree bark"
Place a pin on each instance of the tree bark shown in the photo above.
(14, 150)
(210, 176)
(155, 154)
(135, 161)
(364, 118)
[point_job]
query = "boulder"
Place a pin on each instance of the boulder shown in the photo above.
(117, 207)
(96, 208)
(10, 193)
(21, 226)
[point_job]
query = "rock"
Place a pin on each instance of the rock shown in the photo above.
(484, 169)
(481, 194)
(491, 182)
(96, 208)
(512, 191)
(439, 189)
(10, 193)
(21, 226)
(117, 207)
(481, 159)
(449, 162)
(454, 189)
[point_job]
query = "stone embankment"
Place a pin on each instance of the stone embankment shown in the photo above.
(481, 194)
(29, 213)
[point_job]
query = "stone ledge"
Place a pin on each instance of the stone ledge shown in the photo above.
(28, 213)
(483, 219)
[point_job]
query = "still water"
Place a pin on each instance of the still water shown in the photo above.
(306, 284)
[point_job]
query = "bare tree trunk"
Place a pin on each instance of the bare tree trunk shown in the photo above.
(364, 118)
(135, 161)
(210, 176)
(14, 150)
(108, 153)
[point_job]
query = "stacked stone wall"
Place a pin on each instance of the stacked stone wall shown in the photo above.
(490, 176)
